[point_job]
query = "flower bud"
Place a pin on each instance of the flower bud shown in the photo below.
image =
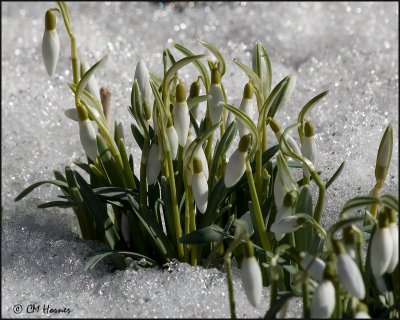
(153, 162)
(275, 126)
(200, 154)
(251, 276)
(349, 275)
(285, 211)
(247, 107)
(92, 85)
(308, 147)
(287, 224)
(87, 134)
(50, 43)
(394, 231)
(313, 266)
(323, 301)
(181, 115)
(381, 246)
(384, 155)
(142, 77)
(173, 139)
(237, 163)
(199, 186)
(125, 230)
(215, 109)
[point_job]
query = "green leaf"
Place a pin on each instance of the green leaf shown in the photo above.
(168, 60)
(359, 202)
(138, 136)
(217, 54)
(203, 235)
(266, 156)
(335, 175)
(191, 102)
(268, 78)
(60, 204)
(283, 297)
(218, 196)
(84, 166)
(194, 123)
(168, 210)
(251, 74)
(32, 187)
(59, 176)
(342, 224)
(390, 201)
(304, 204)
(110, 167)
(284, 95)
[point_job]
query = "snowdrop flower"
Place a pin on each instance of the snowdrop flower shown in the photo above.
(314, 266)
(384, 155)
(394, 231)
(276, 128)
(142, 77)
(308, 147)
(153, 162)
(193, 93)
(181, 115)
(381, 246)
(125, 229)
(349, 275)
(237, 163)
(199, 186)
(287, 224)
(105, 95)
(173, 139)
(283, 212)
(50, 43)
(92, 85)
(247, 107)
(279, 190)
(200, 154)
(323, 301)
(215, 109)
(251, 275)
(349, 242)
(87, 133)
(361, 311)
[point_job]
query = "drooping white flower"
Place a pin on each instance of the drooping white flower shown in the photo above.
(125, 229)
(181, 115)
(381, 246)
(200, 154)
(92, 85)
(153, 166)
(348, 272)
(193, 93)
(199, 186)
(279, 190)
(283, 212)
(313, 265)
(215, 109)
(308, 147)
(142, 77)
(276, 128)
(50, 43)
(384, 154)
(173, 140)
(287, 224)
(394, 231)
(349, 242)
(247, 107)
(87, 134)
(237, 163)
(251, 276)
(323, 301)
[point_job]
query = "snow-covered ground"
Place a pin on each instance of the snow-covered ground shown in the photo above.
(349, 48)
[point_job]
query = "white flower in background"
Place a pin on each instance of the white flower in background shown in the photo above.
(193, 93)
(308, 147)
(323, 301)
(142, 76)
(384, 155)
(283, 212)
(92, 85)
(173, 139)
(215, 109)
(237, 163)
(181, 115)
(348, 272)
(153, 162)
(200, 154)
(381, 246)
(247, 107)
(87, 133)
(287, 224)
(361, 311)
(251, 275)
(276, 128)
(125, 230)
(313, 265)
(394, 231)
(50, 43)
(199, 186)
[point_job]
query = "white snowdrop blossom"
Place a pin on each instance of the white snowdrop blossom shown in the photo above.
(283, 212)
(313, 265)
(142, 77)
(50, 43)
(394, 232)
(92, 85)
(153, 166)
(215, 108)
(181, 115)
(247, 107)
(199, 186)
(279, 190)
(200, 154)
(173, 140)
(287, 224)
(236, 166)
(276, 128)
(323, 301)
(251, 276)
(87, 134)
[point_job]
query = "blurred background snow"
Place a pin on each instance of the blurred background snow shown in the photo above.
(350, 49)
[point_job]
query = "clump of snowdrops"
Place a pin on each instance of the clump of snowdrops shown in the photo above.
(192, 204)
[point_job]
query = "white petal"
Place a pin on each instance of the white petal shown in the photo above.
(173, 141)
(286, 225)
(143, 78)
(283, 212)
(153, 164)
(247, 107)
(50, 50)
(323, 302)
(381, 251)
(351, 250)
(125, 229)
(200, 191)
(200, 154)
(247, 219)
(361, 315)
(215, 108)
(350, 276)
(87, 135)
(251, 280)
(92, 85)
(309, 151)
(279, 191)
(235, 168)
(315, 266)
(394, 231)
(181, 117)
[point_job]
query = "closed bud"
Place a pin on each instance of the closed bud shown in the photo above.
(50, 43)
(199, 186)
(247, 107)
(394, 231)
(384, 155)
(215, 108)
(153, 163)
(173, 140)
(181, 115)
(237, 163)
(92, 85)
(251, 276)
(142, 77)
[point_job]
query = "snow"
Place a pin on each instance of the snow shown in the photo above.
(351, 49)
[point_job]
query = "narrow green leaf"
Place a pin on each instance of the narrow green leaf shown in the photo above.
(191, 102)
(390, 201)
(304, 204)
(168, 60)
(168, 211)
(335, 175)
(59, 176)
(138, 136)
(217, 54)
(32, 187)
(268, 78)
(84, 166)
(194, 123)
(359, 202)
(60, 204)
(284, 95)
(203, 235)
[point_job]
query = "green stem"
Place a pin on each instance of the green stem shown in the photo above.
(187, 224)
(143, 165)
(192, 226)
(258, 177)
(306, 298)
(257, 210)
(230, 285)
